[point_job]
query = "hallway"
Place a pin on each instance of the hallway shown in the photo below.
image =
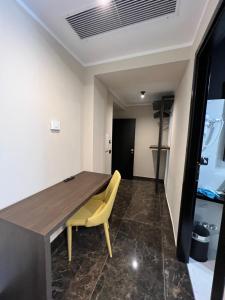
(143, 265)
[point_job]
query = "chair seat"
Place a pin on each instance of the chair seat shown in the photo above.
(95, 212)
(85, 212)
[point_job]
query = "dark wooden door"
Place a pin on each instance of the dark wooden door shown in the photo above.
(123, 147)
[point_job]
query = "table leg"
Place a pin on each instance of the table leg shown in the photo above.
(25, 264)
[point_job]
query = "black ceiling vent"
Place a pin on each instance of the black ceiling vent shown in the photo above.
(117, 14)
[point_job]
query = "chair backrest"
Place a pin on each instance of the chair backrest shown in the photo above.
(110, 195)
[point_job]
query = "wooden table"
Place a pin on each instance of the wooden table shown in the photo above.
(25, 230)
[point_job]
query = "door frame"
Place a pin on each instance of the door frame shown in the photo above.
(193, 154)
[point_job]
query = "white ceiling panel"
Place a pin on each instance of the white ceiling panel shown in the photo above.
(155, 80)
(165, 32)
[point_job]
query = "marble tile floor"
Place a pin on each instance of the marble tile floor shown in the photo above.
(143, 265)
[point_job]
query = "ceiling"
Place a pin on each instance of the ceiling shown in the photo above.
(115, 14)
(168, 32)
(155, 80)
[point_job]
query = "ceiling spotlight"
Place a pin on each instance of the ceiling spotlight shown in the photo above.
(104, 2)
(142, 94)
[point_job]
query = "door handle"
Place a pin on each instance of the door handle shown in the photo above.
(132, 151)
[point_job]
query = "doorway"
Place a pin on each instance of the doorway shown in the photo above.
(202, 204)
(123, 147)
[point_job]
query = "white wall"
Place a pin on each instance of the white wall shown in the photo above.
(97, 123)
(87, 126)
(39, 81)
(103, 106)
(178, 142)
(146, 134)
(179, 125)
(100, 102)
(108, 133)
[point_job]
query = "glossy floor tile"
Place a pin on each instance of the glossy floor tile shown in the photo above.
(143, 265)
(136, 270)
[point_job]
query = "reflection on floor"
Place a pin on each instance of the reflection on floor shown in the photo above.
(143, 265)
(201, 275)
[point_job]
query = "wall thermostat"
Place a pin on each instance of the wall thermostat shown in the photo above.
(55, 125)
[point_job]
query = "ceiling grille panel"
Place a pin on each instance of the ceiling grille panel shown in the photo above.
(118, 14)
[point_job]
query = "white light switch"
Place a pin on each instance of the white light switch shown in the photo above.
(55, 125)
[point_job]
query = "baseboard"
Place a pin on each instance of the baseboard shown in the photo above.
(146, 178)
(174, 235)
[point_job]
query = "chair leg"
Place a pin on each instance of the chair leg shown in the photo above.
(108, 238)
(69, 242)
(76, 228)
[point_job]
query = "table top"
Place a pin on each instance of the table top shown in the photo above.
(50, 208)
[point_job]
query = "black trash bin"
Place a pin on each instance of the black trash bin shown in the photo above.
(200, 243)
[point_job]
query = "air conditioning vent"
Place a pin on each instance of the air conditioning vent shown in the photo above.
(118, 14)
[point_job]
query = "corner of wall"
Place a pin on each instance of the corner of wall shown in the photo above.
(179, 134)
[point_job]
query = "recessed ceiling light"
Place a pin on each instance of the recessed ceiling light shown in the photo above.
(142, 94)
(104, 2)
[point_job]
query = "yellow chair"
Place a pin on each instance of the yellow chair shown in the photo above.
(95, 212)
